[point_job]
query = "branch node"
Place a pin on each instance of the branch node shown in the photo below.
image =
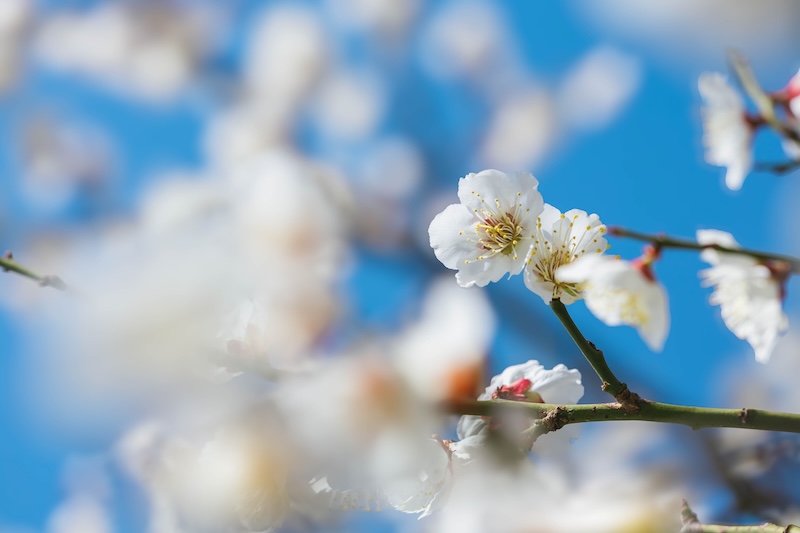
(555, 419)
(628, 401)
(743, 414)
(688, 516)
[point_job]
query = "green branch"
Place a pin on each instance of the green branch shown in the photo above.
(611, 384)
(691, 524)
(554, 416)
(664, 241)
(8, 264)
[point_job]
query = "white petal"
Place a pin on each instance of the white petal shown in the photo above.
(449, 233)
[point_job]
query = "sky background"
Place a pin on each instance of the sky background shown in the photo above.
(624, 143)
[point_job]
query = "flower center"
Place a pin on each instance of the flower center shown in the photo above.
(499, 234)
(545, 268)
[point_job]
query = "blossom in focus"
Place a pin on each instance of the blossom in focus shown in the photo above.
(490, 233)
(728, 133)
(560, 239)
(748, 292)
(622, 292)
(528, 382)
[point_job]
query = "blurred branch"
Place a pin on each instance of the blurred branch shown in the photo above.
(763, 102)
(778, 168)
(554, 416)
(691, 524)
(664, 241)
(8, 264)
(611, 384)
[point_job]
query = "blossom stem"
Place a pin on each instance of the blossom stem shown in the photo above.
(663, 241)
(691, 524)
(554, 416)
(8, 264)
(763, 102)
(611, 384)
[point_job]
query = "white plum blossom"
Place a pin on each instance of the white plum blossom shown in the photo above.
(490, 233)
(560, 239)
(622, 292)
(424, 488)
(748, 293)
(728, 134)
(527, 382)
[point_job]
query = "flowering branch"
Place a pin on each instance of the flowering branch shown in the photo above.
(663, 241)
(691, 524)
(8, 264)
(553, 416)
(611, 384)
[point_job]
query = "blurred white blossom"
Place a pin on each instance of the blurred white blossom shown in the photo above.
(524, 126)
(286, 53)
(727, 134)
(148, 50)
(597, 88)
(749, 294)
(443, 353)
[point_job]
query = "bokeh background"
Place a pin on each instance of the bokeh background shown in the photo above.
(105, 103)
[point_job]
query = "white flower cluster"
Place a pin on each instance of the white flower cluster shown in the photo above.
(502, 226)
(729, 128)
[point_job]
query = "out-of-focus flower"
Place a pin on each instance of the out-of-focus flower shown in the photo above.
(695, 32)
(59, 159)
(384, 18)
(247, 130)
(442, 355)
(421, 487)
(149, 50)
(15, 19)
(597, 89)
(449, 51)
(528, 382)
(80, 513)
(243, 473)
(490, 234)
(622, 292)
(238, 479)
(349, 105)
(748, 292)
(286, 54)
(353, 417)
(245, 343)
(524, 126)
(728, 134)
(559, 240)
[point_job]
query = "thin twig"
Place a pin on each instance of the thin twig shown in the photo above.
(8, 264)
(691, 524)
(611, 384)
(664, 241)
(777, 168)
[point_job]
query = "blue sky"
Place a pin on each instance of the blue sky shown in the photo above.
(643, 170)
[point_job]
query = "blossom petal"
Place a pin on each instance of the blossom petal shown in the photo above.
(449, 234)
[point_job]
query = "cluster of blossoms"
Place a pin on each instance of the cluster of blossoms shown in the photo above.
(729, 128)
(502, 226)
